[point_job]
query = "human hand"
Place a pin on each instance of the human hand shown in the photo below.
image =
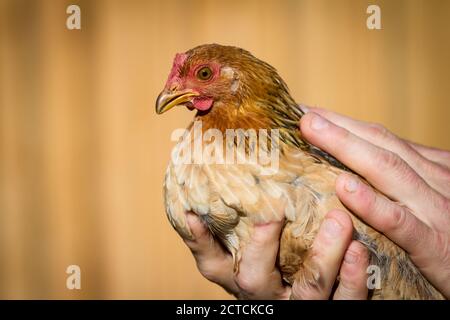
(258, 278)
(415, 211)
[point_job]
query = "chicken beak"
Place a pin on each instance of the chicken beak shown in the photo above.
(167, 99)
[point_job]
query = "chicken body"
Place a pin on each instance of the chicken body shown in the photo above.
(231, 89)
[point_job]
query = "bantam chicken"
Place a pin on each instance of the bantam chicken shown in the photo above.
(232, 90)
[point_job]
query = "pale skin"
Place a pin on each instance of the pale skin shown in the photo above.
(416, 176)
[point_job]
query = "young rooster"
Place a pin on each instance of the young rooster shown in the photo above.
(231, 89)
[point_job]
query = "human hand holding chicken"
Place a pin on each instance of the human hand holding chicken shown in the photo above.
(245, 204)
(383, 159)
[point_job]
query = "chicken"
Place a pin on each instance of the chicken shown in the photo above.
(232, 90)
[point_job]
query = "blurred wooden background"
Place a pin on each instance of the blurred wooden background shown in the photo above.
(82, 153)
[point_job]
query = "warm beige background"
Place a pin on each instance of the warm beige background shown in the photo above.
(83, 153)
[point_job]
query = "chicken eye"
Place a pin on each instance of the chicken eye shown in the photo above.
(204, 73)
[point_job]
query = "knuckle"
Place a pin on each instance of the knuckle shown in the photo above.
(305, 293)
(437, 172)
(364, 254)
(342, 139)
(368, 200)
(353, 283)
(208, 271)
(389, 159)
(249, 282)
(400, 221)
(391, 163)
(348, 285)
(379, 132)
(342, 134)
(396, 219)
(360, 251)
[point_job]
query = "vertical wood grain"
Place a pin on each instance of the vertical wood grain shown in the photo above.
(82, 153)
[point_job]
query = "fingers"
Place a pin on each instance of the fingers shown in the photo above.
(372, 132)
(258, 277)
(353, 275)
(429, 249)
(263, 248)
(437, 174)
(369, 160)
(422, 159)
(441, 157)
(213, 262)
(328, 251)
(375, 134)
(395, 221)
(429, 163)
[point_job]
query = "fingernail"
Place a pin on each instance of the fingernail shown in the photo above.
(305, 109)
(350, 257)
(351, 185)
(332, 228)
(318, 123)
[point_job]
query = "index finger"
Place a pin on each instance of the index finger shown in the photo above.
(427, 162)
(213, 262)
(382, 168)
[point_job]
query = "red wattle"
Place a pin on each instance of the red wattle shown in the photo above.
(202, 104)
